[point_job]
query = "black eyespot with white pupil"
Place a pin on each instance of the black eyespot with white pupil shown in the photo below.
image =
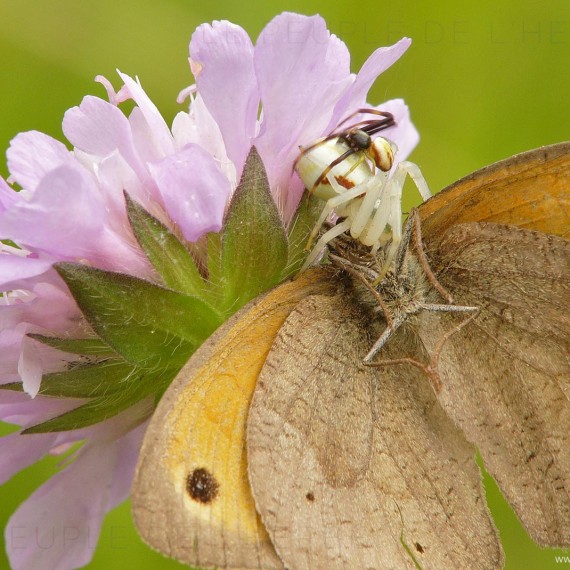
(202, 486)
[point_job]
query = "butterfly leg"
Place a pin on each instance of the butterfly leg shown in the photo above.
(383, 339)
(358, 274)
(416, 225)
(431, 369)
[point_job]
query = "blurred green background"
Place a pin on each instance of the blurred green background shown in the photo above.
(483, 81)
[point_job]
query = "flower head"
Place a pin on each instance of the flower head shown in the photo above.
(70, 209)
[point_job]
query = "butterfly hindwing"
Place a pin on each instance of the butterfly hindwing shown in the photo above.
(355, 467)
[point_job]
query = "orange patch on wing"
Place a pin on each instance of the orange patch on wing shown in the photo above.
(537, 178)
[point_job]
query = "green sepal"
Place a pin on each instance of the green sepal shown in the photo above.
(13, 386)
(101, 409)
(89, 380)
(300, 228)
(88, 346)
(84, 380)
(167, 254)
(144, 323)
(254, 242)
(215, 273)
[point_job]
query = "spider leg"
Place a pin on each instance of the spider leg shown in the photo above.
(414, 172)
(321, 244)
(367, 112)
(379, 126)
(369, 126)
(330, 205)
(375, 186)
(396, 225)
(387, 209)
(389, 214)
(361, 159)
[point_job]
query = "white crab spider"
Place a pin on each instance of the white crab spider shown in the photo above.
(368, 197)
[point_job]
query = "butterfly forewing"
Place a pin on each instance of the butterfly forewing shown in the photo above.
(529, 190)
(506, 376)
(191, 497)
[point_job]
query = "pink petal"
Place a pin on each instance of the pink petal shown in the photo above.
(194, 189)
(8, 197)
(19, 451)
(18, 408)
(32, 155)
(115, 175)
(58, 526)
(129, 448)
(14, 270)
(63, 218)
(198, 127)
(117, 248)
(376, 64)
(30, 367)
(99, 128)
(302, 71)
(53, 309)
(10, 341)
(45, 308)
(222, 58)
(156, 128)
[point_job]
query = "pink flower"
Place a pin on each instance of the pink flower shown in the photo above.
(71, 208)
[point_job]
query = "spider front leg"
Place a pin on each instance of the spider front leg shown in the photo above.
(405, 168)
(394, 196)
(325, 238)
(414, 172)
(343, 197)
(389, 212)
(362, 217)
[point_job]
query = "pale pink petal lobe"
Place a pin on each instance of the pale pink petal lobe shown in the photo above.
(15, 270)
(157, 128)
(8, 197)
(377, 63)
(15, 456)
(58, 526)
(63, 218)
(302, 71)
(222, 60)
(194, 189)
(99, 128)
(32, 155)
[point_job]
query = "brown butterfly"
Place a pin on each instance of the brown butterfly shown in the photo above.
(353, 466)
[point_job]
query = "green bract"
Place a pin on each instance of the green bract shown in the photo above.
(146, 331)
